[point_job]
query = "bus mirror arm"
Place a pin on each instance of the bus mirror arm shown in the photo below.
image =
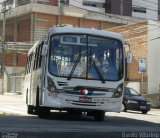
(129, 53)
(129, 57)
(44, 50)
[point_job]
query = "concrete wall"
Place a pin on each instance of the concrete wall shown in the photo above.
(151, 9)
(0, 85)
(13, 79)
(154, 99)
(79, 3)
(153, 57)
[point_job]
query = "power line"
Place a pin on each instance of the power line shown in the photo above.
(150, 2)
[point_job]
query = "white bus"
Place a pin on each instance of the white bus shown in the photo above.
(75, 70)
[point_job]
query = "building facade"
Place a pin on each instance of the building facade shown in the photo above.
(144, 38)
(146, 9)
(29, 21)
(119, 7)
(143, 9)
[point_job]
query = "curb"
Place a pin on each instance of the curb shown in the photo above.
(2, 113)
(12, 94)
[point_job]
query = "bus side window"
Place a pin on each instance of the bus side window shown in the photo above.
(37, 57)
(34, 60)
(30, 61)
(40, 56)
(26, 72)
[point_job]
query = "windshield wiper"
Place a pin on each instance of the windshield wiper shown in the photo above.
(91, 59)
(75, 65)
(97, 70)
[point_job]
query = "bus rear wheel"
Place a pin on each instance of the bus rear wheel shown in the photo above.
(99, 116)
(30, 109)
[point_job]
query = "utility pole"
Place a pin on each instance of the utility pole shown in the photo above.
(5, 8)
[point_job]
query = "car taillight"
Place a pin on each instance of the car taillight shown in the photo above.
(51, 86)
(118, 92)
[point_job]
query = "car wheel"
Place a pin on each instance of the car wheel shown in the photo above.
(144, 111)
(124, 109)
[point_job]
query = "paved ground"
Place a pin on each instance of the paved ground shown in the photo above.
(15, 122)
(12, 104)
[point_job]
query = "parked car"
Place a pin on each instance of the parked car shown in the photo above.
(132, 100)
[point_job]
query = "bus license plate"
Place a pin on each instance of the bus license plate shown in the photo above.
(85, 99)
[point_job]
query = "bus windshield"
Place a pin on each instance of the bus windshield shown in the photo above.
(86, 56)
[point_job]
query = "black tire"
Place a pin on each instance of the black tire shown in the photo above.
(124, 109)
(37, 102)
(30, 109)
(43, 112)
(70, 112)
(144, 111)
(27, 97)
(99, 116)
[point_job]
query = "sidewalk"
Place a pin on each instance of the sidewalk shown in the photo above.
(155, 110)
(12, 104)
(11, 97)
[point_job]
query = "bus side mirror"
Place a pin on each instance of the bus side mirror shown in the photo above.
(129, 53)
(129, 57)
(44, 50)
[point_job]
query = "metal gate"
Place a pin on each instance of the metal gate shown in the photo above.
(15, 84)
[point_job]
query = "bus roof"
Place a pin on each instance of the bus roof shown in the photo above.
(68, 29)
(76, 30)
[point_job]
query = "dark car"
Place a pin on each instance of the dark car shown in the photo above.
(132, 100)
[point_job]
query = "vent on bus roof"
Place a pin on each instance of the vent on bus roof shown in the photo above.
(60, 83)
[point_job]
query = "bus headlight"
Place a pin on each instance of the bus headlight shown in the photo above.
(51, 86)
(118, 92)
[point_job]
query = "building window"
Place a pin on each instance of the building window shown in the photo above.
(139, 9)
(43, 1)
(93, 4)
(108, 6)
(22, 2)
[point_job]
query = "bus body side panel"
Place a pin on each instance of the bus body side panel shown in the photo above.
(26, 88)
(36, 86)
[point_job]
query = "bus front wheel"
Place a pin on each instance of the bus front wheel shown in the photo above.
(43, 112)
(99, 116)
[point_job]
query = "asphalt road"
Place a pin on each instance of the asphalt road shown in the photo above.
(62, 124)
(15, 123)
